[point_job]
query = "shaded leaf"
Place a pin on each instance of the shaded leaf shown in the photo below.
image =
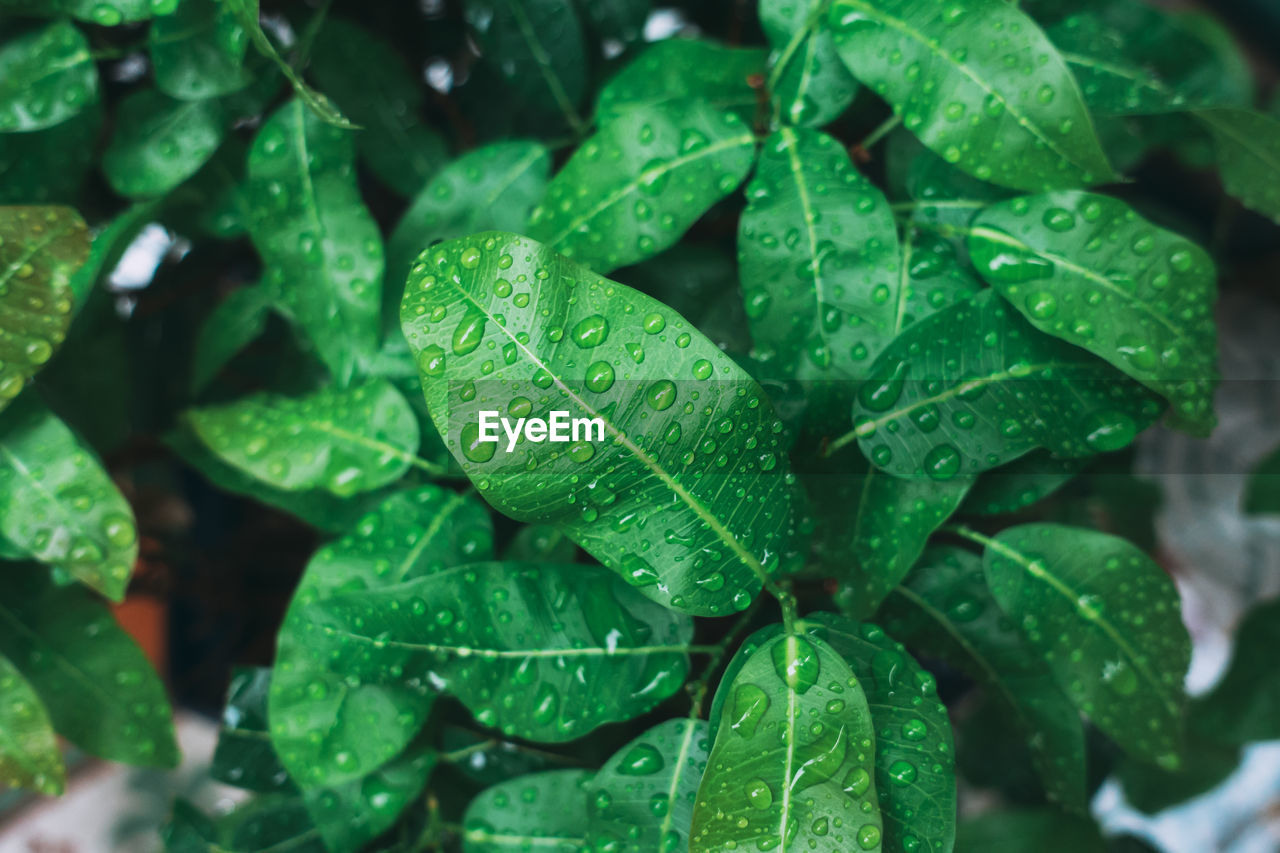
(1029, 831)
(1152, 789)
(680, 71)
(29, 755)
(942, 196)
(160, 142)
(1244, 706)
(808, 83)
(1021, 483)
(1262, 492)
(541, 811)
(1248, 150)
(621, 21)
(243, 756)
(236, 322)
(540, 543)
(49, 165)
(46, 77)
(198, 51)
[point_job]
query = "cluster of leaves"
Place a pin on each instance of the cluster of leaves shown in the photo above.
(940, 317)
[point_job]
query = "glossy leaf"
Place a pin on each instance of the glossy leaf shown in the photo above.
(243, 756)
(40, 250)
(1108, 622)
(1021, 483)
(979, 84)
(321, 247)
(680, 71)
(236, 322)
(101, 693)
(198, 51)
(642, 799)
(651, 173)
(1029, 831)
(946, 610)
(818, 258)
(541, 811)
(272, 823)
(585, 345)
(1086, 268)
(793, 762)
(160, 142)
(342, 440)
(1248, 150)
(1016, 390)
(1244, 705)
(46, 77)
(942, 196)
(808, 83)
(57, 503)
(29, 755)
(915, 755)
(338, 712)
(47, 166)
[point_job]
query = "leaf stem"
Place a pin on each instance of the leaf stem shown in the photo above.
(840, 443)
(885, 128)
(697, 690)
(963, 530)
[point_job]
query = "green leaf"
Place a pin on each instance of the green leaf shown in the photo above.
(40, 250)
(1262, 492)
(57, 503)
(942, 196)
(1029, 831)
(214, 202)
(529, 648)
(915, 755)
(46, 77)
(111, 13)
(819, 261)
(1016, 390)
(1108, 622)
(617, 20)
(45, 166)
(541, 811)
(234, 324)
(198, 51)
(642, 799)
(243, 756)
(321, 248)
(593, 348)
(372, 84)
(979, 84)
(160, 142)
(1021, 483)
(110, 240)
(651, 173)
(679, 71)
(1151, 789)
(807, 82)
(1087, 269)
(536, 47)
(1244, 706)
(1248, 149)
(540, 543)
(101, 693)
(188, 830)
(946, 610)
(342, 440)
(29, 756)
(274, 823)
(793, 762)
(336, 712)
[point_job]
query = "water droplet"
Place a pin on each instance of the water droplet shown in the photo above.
(590, 332)
(641, 760)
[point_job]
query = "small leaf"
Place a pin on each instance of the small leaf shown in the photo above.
(234, 324)
(321, 247)
(1021, 483)
(978, 83)
(243, 756)
(1029, 831)
(342, 440)
(1244, 706)
(198, 51)
(160, 142)
(46, 77)
(110, 13)
(946, 610)
(1248, 149)
(46, 166)
(793, 764)
(29, 756)
(214, 202)
(100, 691)
(40, 250)
(680, 71)
(1108, 621)
(541, 811)
(1087, 269)
(653, 172)
(1018, 390)
(540, 543)
(619, 21)
(1205, 765)
(808, 83)
(642, 799)
(676, 470)
(1262, 492)
(57, 503)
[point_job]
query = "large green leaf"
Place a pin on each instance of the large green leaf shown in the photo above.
(818, 257)
(793, 764)
(1015, 390)
(946, 610)
(650, 173)
(915, 755)
(343, 440)
(101, 693)
(198, 51)
(321, 248)
(46, 77)
(1248, 150)
(1108, 622)
(338, 712)
(1086, 268)
(808, 83)
(978, 83)
(532, 649)
(160, 142)
(641, 800)
(29, 756)
(47, 166)
(40, 250)
(679, 71)
(1244, 706)
(541, 811)
(684, 426)
(58, 505)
